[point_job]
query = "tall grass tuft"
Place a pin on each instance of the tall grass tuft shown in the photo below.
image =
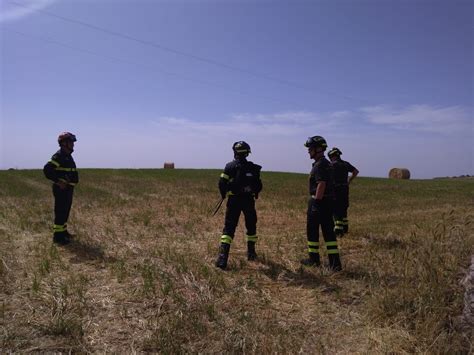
(417, 287)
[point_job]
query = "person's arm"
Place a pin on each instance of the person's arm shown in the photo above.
(224, 182)
(259, 184)
(318, 196)
(49, 171)
(354, 173)
(322, 175)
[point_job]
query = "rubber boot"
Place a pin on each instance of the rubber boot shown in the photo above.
(335, 262)
(60, 238)
(221, 261)
(313, 260)
(251, 254)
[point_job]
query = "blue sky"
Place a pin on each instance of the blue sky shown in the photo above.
(143, 82)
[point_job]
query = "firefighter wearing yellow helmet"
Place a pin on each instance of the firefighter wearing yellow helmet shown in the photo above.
(241, 183)
(61, 170)
(341, 170)
(320, 206)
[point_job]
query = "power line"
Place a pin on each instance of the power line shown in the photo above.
(193, 56)
(116, 59)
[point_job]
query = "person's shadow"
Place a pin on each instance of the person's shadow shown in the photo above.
(86, 252)
(301, 277)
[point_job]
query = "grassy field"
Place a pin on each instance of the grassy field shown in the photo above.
(140, 276)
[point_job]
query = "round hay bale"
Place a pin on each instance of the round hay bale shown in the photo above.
(169, 165)
(399, 173)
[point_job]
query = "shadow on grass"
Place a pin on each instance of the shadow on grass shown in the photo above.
(86, 252)
(310, 277)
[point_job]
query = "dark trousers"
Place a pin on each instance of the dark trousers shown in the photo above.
(320, 217)
(235, 205)
(340, 208)
(62, 207)
(342, 201)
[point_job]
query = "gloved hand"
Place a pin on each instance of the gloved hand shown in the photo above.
(316, 205)
(256, 196)
(62, 183)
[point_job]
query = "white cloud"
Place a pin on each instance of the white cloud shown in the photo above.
(15, 11)
(298, 118)
(284, 124)
(277, 139)
(425, 118)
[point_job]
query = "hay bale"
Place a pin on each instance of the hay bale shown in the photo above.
(169, 165)
(399, 173)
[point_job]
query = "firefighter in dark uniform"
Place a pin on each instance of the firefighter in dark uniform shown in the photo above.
(241, 183)
(341, 170)
(320, 206)
(61, 170)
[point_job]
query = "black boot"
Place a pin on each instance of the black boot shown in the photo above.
(69, 235)
(251, 254)
(60, 238)
(221, 261)
(313, 260)
(335, 262)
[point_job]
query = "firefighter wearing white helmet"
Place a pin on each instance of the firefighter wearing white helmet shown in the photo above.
(61, 170)
(341, 170)
(320, 206)
(241, 183)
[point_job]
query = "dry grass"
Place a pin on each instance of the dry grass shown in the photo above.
(140, 276)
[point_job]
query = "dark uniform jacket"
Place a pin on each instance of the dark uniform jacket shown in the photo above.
(240, 177)
(321, 171)
(341, 170)
(61, 167)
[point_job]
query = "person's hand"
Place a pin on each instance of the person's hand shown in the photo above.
(62, 184)
(316, 205)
